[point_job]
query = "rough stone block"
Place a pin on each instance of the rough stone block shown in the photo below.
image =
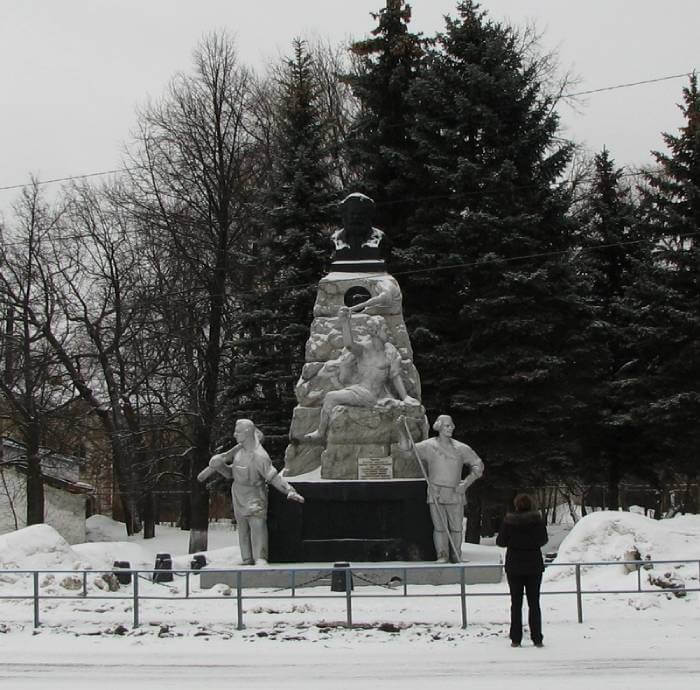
(332, 288)
(304, 420)
(325, 340)
(405, 463)
(371, 424)
(300, 458)
(340, 461)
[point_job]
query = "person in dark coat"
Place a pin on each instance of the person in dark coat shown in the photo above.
(523, 533)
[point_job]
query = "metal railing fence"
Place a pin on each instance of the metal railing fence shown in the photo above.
(242, 591)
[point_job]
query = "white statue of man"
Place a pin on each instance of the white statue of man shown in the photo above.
(442, 459)
(378, 365)
(250, 467)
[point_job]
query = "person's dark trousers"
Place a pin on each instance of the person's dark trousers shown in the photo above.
(531, 585)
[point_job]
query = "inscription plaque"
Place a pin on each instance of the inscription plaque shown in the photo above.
(375, 468)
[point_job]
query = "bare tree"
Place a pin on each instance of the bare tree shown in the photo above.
(33, 384)
(193, 173)
(103, 287)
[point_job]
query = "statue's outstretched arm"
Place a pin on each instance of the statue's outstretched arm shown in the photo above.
(273, 477)
(344, 316)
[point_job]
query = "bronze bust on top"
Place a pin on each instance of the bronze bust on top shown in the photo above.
(357, 245)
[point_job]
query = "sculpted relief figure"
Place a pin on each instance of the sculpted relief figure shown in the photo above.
(250, 467)
(385, 298)
(357, 239)
(377, 368)
(442, 459)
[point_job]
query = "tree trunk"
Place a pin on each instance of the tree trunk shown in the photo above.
(185, 520)
(199, 496)
(148, 514)
(126, 483)
(35, 482)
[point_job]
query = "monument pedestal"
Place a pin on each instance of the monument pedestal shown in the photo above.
(367, 521)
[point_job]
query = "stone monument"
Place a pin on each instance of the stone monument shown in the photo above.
(358, 376)
(365, 492)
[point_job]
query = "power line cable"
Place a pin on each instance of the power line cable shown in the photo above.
(625, 86)
(392, 202)
(431, 269)
(567, 95)
(67, 179)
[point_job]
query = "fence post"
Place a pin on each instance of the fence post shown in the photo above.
(136, 598)
(348, 597)
(187, 584)
(294, 582)
(239, 601)
(463, 597)
(36, 598)
(85, 583)
(639, 577)
(405, 582)
(579, 603)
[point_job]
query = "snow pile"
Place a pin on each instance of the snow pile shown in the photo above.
(102, 528)
(38, 547)
(102, 555)
(108, 542)
(624, 536)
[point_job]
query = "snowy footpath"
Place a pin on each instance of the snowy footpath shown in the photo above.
(636, 640)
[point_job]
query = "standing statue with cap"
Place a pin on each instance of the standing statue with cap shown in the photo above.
(441, 459)
(250, 467)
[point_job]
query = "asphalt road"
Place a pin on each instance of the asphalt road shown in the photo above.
(312, 666)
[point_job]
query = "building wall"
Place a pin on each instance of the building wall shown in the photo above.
(63, 511)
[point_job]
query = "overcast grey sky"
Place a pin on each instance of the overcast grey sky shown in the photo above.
(73, 71)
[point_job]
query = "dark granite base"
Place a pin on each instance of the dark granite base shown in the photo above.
(375, 521)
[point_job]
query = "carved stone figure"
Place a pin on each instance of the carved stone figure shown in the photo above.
(385, 298)
(442, 459)
(377, 367)
(357, 239)
(250, 467)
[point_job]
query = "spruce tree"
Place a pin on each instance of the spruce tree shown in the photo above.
(380, 148)
(611, 256)
(667, 302)
(498, 324)
(296, 207)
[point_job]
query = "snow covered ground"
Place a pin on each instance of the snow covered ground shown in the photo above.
(637, 640)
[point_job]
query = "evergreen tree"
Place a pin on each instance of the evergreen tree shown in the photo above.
(667, 301)
(610, 258)
(296, 203)
(493, 306)
(380, 147)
